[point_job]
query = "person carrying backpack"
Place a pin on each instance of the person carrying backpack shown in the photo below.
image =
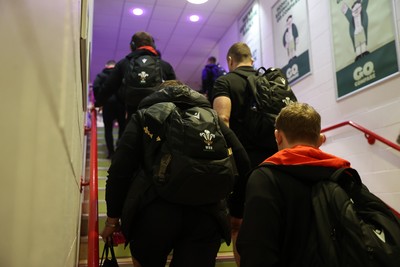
(136, 75)
(170, 177)
(305, 207)
(233, 98)
(113, 109)
(210, 73)
(235, 102)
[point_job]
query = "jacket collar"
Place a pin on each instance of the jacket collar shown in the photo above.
(179, 95)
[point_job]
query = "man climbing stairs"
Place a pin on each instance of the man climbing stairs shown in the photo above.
(224, 258)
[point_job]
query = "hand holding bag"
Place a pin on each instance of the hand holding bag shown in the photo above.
(105, 261)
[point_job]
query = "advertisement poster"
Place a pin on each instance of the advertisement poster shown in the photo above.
(249, 32)
(364, 43)
(291, 38)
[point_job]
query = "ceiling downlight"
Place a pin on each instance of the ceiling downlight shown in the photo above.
(197, 2)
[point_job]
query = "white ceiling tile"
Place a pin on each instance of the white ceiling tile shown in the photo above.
(165, 13)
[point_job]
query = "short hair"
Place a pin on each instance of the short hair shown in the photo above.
(299, 122)
(212, 60)
(142, 39)
(240, 52)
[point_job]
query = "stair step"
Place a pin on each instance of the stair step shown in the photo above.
(103, 164)
(127, 262)
(224, 258)
(102, 173)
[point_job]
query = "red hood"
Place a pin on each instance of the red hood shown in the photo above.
(149, 48)
(306, 155)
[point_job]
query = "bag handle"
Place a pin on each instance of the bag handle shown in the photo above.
(261, 71)
(108, 246)
(348, 179)
(339, 174)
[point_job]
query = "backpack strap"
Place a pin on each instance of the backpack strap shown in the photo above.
(342, 173)
(245, 75)
(348, 179)
(251, 81)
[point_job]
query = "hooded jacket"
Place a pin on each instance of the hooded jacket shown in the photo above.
(133, 156)
(278, 208)
(98, 82)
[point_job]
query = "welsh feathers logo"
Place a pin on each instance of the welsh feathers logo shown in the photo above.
(143, 75)
(208, 139)
(287, 101)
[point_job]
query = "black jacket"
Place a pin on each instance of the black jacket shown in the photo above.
(278, 216)
(99, 81)
(278, 209)
(114, 81)
(132, 156)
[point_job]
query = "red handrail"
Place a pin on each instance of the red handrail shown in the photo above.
(371, 136)
(93, 227)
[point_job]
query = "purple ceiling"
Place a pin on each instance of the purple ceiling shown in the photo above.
(186, 45)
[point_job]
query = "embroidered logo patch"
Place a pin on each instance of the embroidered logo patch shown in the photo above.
(208, 139)
(143, 75)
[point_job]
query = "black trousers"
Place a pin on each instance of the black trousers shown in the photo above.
(113, 111)
(192, 235)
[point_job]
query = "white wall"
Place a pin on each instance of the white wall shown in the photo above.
(42, 132)
(376, 108)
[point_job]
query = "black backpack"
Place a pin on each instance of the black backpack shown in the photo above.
(353, 226)
(220, 72)
(192, 163)
(142, 78)
(213, 72)
(268, 92)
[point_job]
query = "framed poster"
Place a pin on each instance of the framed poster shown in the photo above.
(364, 43)
(291, 38)
(249, 32)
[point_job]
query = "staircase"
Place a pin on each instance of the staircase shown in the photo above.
(224, 258)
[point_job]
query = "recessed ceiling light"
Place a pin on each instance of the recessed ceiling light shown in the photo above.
(137, 11)
(194, 18)
(197, 2)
